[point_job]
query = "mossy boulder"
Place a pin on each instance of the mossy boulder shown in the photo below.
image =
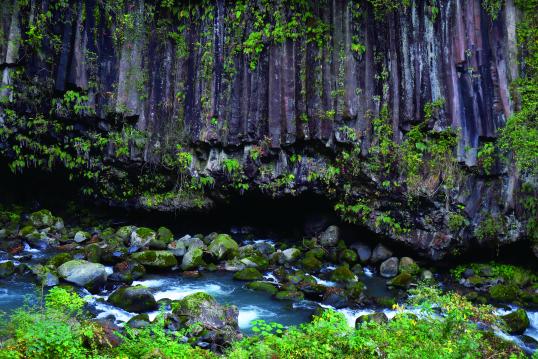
(311, 263)
(263, 287)
(133, 299)
(142, 236)
(127, 272)
(81, 236)
(377, 317)
(27, 230)
(256, 261)
(7, 269)
(408, 265)
(163, 239)
(503, 293)
(248, 274)
(192, 259)
(318, 253)
(218, 321)
(83, 273)
(42, 219)
(290, 255)
(124, 232)
(343, 274)
(59, 259)
(165, 235)
(355, 290)
(93, 252)
(139, 321)
(402, 280)
(223, 247)
(290, 295)
(156, 259)
(348, 256)
(517, 321)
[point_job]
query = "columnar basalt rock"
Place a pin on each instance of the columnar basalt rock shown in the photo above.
(282, 110)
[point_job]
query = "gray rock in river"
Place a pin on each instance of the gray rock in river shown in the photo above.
(330, 236)
(133, 299)
(377, 317)
(389, 268)
(364, 251)
(380, 253)
(83, 273)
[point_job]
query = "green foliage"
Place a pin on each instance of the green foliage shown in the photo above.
(153, 341)
(261, 327)
(384, 7)
(359, 211)
(405, 336)
(428, 153)
(520, 135)
(456, 221)
(489, 228)
(277, 22)
(60, 299)
(486, 157)
(492, 7)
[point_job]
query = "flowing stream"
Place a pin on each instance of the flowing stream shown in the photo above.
(21, 290)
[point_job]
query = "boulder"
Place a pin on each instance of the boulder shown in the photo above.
(192, 259)
(377, 317)
(83, 273)
(311, 263)
(402, 280)
(389, 268)
(290, 295)
(93, 252)
(335, 297)
(42, 219)
(380, 253)
(330, 236)
(348, 256)
(142, 236)
(204, 311)
(59, 259)
(263, 287)
(264, 248)
(290, 255)
(81, 236)
(192, 242)
(156, 259)
(164, 238)
(517, 321)
(248, 274)
(127, 272)
(505, 293)
(223, 247)
(139, 321)
(343, 274)
(7, 269)
(133, 299)
(177, 248)
(426, 275)
(408, 265)
(363, 251)
(124, 232)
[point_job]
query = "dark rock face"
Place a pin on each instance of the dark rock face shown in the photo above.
(193, 88)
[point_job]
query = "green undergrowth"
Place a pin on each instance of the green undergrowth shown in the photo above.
(62, 329)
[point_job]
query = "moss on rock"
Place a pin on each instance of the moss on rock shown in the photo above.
(343, 274)
(263, 287)
(248, 274)
(223, 247)
(156, 259)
